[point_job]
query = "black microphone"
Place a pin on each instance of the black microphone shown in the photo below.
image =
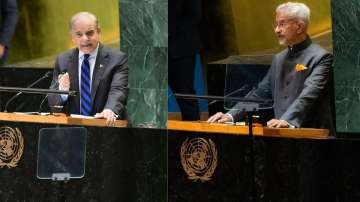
(47, 95)
(243, 88)
(46, 75)
(42, 103)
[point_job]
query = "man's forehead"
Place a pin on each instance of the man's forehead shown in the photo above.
(84, 22)
(83, 27)
(282, 16)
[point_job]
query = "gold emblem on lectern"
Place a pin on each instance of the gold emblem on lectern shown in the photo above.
(11, 147)
(199, 158)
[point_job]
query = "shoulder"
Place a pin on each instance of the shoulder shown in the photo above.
(113, 51)
(319, 55)
(67, 54)
(113, 54)
(317, 50)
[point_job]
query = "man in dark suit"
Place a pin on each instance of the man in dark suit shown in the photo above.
(8, 20)
(299, 80)
(184, 44)
(99, 73)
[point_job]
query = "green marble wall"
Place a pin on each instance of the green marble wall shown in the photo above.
(346, 31)
(143, 26)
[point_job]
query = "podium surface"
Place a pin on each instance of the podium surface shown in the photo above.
(244, 130)
(61, 119)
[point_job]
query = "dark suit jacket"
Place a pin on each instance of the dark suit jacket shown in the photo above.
(109, 82)
(303, 98)
(8, 20)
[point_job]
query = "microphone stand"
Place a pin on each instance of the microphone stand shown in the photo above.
(37, 91)
(249, 110)
(46, 75)
(221, 98)
(42, 103)
(242, 89)
(33, 91)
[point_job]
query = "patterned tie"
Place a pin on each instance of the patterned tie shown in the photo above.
(85, 89)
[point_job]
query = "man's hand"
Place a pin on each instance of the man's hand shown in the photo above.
(109, 115)
(64, 81)
(276, 123)
(219, 117)
(2, 50)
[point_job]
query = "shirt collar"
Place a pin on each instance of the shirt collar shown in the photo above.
(300, 46)
(93, 54)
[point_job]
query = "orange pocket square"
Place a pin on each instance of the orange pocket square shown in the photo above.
(300, 68)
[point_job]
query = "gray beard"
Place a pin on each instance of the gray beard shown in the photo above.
(282, 42)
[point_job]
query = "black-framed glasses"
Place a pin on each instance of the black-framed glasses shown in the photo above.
(283, 23)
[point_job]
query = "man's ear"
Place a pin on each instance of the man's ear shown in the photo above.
(73, 40)
(98, 30)
(301, 27)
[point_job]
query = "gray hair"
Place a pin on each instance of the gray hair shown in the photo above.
(83, 15)
(295, 10)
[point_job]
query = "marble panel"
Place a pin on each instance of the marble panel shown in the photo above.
(143, 23)
(147, 67)
(147, 108)
(144, 38)
(346, 29)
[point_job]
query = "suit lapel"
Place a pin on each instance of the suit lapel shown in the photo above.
(99, 68)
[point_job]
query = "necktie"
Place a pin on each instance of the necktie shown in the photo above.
(85, 88)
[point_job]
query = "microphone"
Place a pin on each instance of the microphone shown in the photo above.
(46, 75)
(42, 103)
(245, 87)
(47, 95)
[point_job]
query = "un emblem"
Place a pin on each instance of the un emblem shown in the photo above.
(199, 158)
(11, 147)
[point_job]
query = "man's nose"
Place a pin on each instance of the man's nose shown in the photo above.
(277, 29)
(84, 36)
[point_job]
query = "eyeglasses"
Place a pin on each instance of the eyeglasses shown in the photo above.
(89, 33)
(282, 24)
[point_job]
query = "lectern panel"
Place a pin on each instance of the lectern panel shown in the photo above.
(61, 153)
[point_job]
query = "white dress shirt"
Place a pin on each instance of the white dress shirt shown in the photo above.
(92, 60)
